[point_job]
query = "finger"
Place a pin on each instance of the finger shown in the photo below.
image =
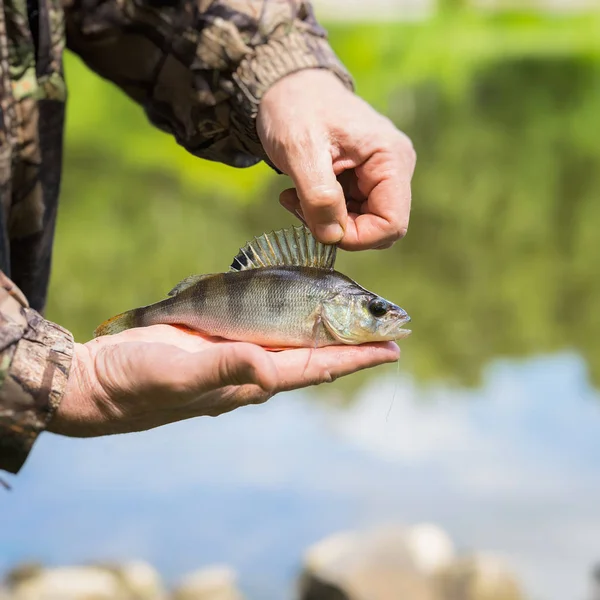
(349, 182)
(290, 201)
(250, 394)
(226, 400)
(383, 220)
(385, 178)
(227, 364)
(320, 194)
(296, 370)
(354, 207)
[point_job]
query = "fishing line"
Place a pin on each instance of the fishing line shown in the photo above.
(318, 322)
(397, 380)
(301, 216)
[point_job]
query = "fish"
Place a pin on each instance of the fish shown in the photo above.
(281, 291)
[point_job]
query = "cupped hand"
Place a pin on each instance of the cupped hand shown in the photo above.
(147, 377)
(351, 167)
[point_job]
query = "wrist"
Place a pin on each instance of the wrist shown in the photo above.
(269, 63)
(314, 78)
(301, 83)
(280, 58)
(78, 415)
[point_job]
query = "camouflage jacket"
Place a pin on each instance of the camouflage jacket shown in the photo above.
(198, 68)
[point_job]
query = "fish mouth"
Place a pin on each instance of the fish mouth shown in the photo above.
(395, 330)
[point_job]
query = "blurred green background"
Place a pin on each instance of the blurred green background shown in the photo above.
(502, 254)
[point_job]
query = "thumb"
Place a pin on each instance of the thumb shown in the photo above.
(227, 364)
(321, 196)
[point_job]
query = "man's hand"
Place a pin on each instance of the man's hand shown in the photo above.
(351, 167)
(148, 377)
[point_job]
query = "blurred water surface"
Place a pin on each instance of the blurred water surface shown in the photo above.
(494, 425)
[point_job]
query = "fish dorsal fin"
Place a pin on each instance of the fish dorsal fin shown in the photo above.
(186, 283)
(292, 247)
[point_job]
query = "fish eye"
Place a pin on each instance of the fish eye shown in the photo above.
(377, 307)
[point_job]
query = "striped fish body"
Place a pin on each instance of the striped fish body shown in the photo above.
(280, 292)
(273, 306)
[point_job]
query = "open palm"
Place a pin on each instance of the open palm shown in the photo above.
(147, 377)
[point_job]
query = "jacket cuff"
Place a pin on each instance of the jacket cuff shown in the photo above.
(35, 371)
(269, 63)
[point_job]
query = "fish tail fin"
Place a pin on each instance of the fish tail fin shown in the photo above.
(116, 324)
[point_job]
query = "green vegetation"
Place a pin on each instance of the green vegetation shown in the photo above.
(502, 254)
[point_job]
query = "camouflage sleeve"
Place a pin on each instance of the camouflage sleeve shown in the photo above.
(35, 356)
(200, 67)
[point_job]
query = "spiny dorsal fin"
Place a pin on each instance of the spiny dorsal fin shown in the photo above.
(293, 247)
(186, 283)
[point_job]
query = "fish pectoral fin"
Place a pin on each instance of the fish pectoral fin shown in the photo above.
(292, 247)
(187, 282)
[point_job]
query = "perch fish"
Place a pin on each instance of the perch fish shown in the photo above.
(281, 291)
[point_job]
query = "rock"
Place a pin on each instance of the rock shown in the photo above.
(22, 572)
(312, 588)
(385, 563)
(210, 583)
(430, 546)
(139, 579)
(133, 581)
(402, 563)
(69, 583)
(478, 577)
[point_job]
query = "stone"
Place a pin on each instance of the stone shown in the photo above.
(217, 582)
(130, 581)
(430, 546)
(384, 563)
(139, 579)
(478, 577)
(68, 583)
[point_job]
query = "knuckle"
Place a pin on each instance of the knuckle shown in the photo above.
(405, 142)
(385, 246)
(398, 234)
(392, 235)
(237, 366)
(397, 142)
(267, 383)
(401, 232)
(328, 376)
(260, 371)
(323, 198)
(405, 148)
(262, 396)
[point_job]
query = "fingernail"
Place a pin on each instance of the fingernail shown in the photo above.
(330, 234)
